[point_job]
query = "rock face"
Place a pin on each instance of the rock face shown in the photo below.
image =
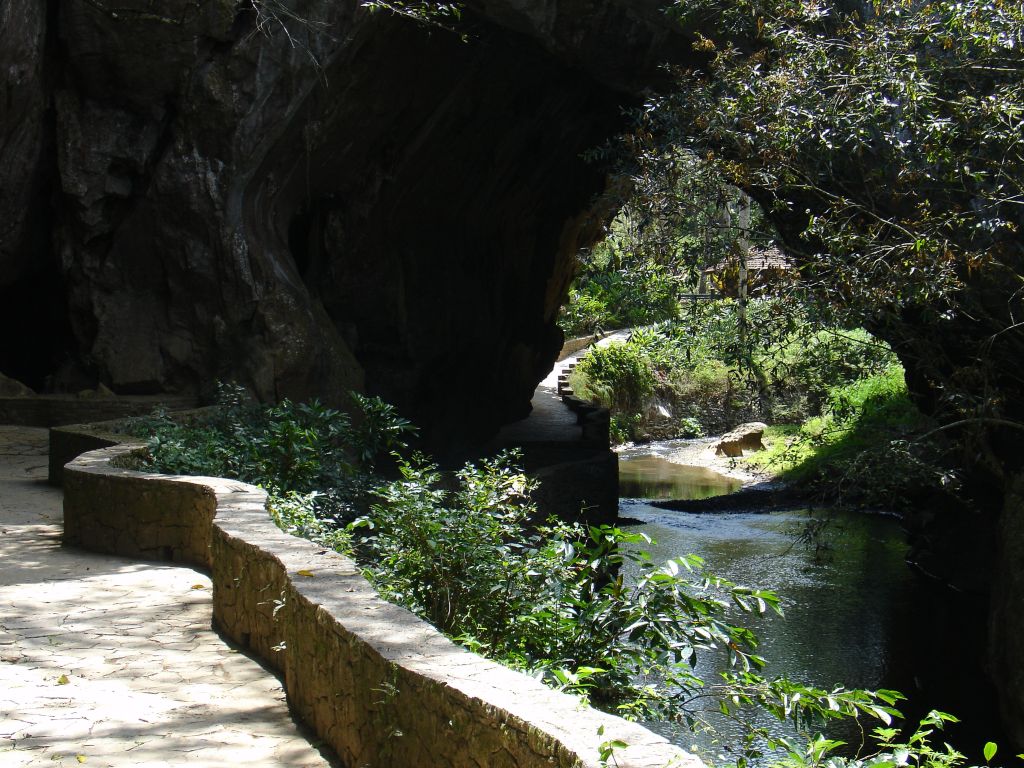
(1006, 617)
(305, 203)
(745, 437)
(23, 133)
(13, 388)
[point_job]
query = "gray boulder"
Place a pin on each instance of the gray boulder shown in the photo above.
(745, 437)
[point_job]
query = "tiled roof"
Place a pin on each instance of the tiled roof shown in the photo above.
(758, 260)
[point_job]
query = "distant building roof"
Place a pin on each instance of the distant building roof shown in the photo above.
(758, 260)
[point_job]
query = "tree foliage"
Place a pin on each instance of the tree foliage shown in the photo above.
(886, 145)
(583, 608)
(552, 599)
(674, 221)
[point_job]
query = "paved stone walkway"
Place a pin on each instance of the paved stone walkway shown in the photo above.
(550, 419)
(111, 662)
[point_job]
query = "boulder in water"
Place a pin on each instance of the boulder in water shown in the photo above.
(745, 437)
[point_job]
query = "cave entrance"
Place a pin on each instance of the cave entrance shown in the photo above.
(37, 330)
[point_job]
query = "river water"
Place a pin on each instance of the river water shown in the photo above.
(847, 597)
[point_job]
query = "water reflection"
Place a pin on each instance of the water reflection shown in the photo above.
(652, 477)
(843, 611)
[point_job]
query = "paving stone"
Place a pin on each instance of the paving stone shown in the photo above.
(114, 660)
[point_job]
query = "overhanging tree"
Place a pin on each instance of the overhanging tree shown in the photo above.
(886, 143)
(888, 148)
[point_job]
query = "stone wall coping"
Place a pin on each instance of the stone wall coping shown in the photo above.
(574, 345)
(329, 610)
(56, 410)
(68, 441)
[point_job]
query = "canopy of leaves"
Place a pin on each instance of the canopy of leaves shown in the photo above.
(888, 147)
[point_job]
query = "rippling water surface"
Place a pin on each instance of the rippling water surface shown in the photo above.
(843, 606)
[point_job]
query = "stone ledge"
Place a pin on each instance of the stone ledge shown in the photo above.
(574, 345)
(376, 683)
(70, 440)
(56, 410)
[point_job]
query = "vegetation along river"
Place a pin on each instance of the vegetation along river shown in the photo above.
(853, 609)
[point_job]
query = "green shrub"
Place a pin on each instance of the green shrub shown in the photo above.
(861, 451)
(631, 296)
(587, 312)
(619, 376)
(879, 401)
(625, 428)
(296, 513)
(696, 366)
(293, 450)
(887, 748)
(550, 599)
(708, 381)
(689, 427)
(553, 600)
(819, 361)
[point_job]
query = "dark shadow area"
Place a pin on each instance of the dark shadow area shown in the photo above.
(38, 338)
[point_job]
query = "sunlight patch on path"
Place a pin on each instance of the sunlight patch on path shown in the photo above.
(113, 662)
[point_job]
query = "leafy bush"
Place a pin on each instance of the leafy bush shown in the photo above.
(296, 513)
(550, 599)
(861, 451)
(553, 600)
(620, 376)
(689, 427)
(887, 749)
(707, 382)
(619, 290)
(819, 361)
(304, 452)
(587, 312)
(624, 427)
(696, 365)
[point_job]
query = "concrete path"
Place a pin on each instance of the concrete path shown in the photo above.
(111, 662)
(550, 419)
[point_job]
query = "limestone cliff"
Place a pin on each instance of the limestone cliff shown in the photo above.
(305, 197)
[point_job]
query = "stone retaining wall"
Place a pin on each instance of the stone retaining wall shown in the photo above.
(54, 410)
(572, 346)
(72, 440)
(380, 686)
(69, 441)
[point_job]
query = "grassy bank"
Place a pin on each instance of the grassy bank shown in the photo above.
(842, 426)
(864, 449)
(707, 371)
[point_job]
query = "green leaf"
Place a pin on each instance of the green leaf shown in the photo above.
(989, 751)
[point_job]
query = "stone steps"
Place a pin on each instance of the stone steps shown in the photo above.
(564, 389)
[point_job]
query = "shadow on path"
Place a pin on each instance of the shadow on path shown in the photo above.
(114, 660)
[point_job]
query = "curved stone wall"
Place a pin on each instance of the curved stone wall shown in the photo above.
(376, 683)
